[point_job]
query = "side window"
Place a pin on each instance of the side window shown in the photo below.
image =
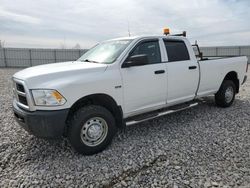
(176, 50)
(151, 49)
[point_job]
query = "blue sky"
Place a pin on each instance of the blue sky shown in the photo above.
(53, 23)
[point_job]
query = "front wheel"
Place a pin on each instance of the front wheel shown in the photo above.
(226, 94)
(91, 129)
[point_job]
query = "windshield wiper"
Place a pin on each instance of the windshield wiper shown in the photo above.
(87, 60)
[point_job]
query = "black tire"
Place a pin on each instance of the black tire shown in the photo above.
(82, 118)
(221, 98)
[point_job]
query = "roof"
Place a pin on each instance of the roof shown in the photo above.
(147, 36)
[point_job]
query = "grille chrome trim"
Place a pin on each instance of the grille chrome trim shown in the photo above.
(22, 105)
(21, 93)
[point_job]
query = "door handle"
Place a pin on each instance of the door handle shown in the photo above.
(160, 72)
(192, 67)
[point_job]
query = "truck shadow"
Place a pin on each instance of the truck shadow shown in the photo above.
(180, 121)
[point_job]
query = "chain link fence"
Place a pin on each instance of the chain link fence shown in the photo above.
(26, 57)
(227, 51)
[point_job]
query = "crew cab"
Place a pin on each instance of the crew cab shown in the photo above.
(117, 83)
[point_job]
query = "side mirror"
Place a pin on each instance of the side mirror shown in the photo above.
(136, 60)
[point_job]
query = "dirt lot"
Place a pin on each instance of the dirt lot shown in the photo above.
(205, 146)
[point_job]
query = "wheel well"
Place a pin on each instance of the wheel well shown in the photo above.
(233, 77)
(99, 99)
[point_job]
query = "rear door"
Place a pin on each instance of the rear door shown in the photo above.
(183, 72)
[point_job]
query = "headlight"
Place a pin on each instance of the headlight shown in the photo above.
(47, 97)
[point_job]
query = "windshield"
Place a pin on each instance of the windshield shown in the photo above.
(106, 52)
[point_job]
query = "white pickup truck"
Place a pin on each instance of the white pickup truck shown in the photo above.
(120, 82)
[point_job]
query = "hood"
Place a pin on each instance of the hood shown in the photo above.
(59, 69)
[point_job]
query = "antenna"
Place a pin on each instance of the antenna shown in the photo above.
(129, 30)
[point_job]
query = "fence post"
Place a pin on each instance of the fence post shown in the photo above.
(216, 51)
(30, 57)
(4, 58)
(55, 55)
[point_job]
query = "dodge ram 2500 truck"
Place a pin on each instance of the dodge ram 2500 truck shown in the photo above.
(120, 82)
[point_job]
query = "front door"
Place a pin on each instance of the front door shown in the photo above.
(145, 86)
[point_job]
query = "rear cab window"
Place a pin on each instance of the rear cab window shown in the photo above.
(176, 50)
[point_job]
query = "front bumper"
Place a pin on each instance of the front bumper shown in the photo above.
(43, 124)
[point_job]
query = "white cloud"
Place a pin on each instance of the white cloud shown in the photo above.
(46, 23)
(12, 16)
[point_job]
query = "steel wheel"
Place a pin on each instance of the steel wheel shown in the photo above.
(226, 94)
(91, 129)
(229, 94)
(94, 131)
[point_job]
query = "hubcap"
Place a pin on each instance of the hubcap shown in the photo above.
(229, 94)
(94, 131)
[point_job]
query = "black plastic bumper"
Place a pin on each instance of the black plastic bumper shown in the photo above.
(43, 124)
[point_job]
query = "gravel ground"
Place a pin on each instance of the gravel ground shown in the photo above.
(205, 146)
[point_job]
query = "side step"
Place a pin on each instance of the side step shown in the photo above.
(158, 113)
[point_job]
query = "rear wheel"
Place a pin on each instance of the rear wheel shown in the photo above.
(226, 94)
(91, 129)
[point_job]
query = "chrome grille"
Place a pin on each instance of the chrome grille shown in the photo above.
(20, 94)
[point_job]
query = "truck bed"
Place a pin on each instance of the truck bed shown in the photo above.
(213, 71)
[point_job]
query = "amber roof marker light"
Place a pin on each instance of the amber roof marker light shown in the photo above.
(166, 31)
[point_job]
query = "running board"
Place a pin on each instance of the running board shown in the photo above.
(153, 115)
